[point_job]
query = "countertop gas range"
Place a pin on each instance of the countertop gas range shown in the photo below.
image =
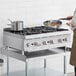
(36, 38)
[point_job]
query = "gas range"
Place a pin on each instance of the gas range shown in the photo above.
(36, 38)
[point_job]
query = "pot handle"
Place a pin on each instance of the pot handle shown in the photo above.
(10, 20)
(66, 18)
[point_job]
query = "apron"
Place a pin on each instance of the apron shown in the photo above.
(73, 50)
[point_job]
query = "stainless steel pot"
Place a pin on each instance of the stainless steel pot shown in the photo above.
(52, 23)
(16, 25)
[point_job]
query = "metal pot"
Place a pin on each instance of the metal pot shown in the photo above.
(52, 23)
(16, 25)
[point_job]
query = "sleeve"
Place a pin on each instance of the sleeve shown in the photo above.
(73, 21)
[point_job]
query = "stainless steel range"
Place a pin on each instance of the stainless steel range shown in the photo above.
(36, 38)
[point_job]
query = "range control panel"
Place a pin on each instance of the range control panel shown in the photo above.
(46, 42)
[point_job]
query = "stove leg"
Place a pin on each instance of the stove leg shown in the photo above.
(26, 66)
(7, 66)
(65, 64)
(6, 48)
(44, 67)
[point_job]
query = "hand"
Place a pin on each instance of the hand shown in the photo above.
(69, 23)
(72, 25)
(69, 17)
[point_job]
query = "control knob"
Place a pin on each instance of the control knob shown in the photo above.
(65, 39)
(59, 40)
(44, 43)
(35, 44)
(27, 45)
(51, 42)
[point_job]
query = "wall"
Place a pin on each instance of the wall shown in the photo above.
(33, 12)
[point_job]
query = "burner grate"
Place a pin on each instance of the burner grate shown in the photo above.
(34, 30)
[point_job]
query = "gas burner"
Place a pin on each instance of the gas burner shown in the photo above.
(35, 30)
(39, 30)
